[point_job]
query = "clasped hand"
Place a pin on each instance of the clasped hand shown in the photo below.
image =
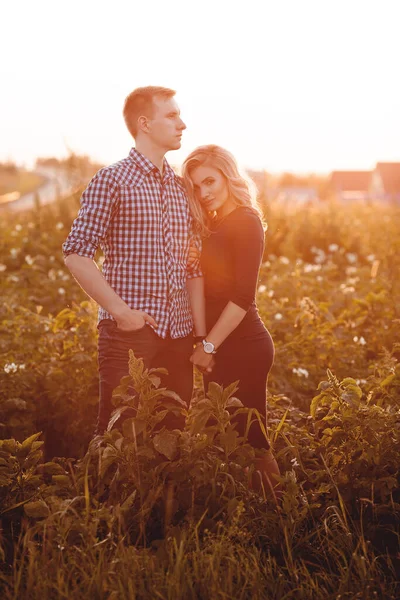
(203, 361)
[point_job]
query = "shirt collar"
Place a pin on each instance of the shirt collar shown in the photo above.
(147, 166)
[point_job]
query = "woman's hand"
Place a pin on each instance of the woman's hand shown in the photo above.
(203, 361)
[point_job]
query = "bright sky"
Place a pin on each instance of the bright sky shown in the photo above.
(286, 85)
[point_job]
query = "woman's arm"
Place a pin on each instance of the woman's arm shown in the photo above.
(247, 244)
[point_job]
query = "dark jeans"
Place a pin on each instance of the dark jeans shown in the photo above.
(113, 356)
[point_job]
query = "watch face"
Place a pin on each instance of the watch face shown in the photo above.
(208, 347)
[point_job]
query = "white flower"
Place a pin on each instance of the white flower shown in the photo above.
(320, 257)
(333, 247)
(22, 367)
(351, 257)
(351, 270)
(2, 267)
(52, 275)
(271, 257)
(31, 225)
(284, 260)
(353, 280)
(294, 462)
(266, 264)
(14, 252)
(300, 372)
(18, 227)
(361, 381)
(13, 278)
(60, 226)
(319, 278)
(10, 368)
(61, 291)
(271, 294)
(371, 257)
(278, 316)
(362, 341)
(347, 289)
(262, 289)
(29, 260)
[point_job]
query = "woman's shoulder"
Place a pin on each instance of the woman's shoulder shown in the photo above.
(246, 215)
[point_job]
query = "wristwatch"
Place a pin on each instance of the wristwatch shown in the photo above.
(209, 347)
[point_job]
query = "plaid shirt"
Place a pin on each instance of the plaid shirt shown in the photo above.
(141, 220)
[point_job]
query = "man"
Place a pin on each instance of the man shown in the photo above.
(136, 210)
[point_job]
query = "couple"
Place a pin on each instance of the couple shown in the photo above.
(171, 311)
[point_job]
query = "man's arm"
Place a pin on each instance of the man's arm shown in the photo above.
(195, 287)
(91, 280)
(98, 204)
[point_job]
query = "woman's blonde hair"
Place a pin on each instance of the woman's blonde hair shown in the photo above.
(241, 189)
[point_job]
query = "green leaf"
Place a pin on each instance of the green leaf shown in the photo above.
(52, 468)
(37, 510)
(166, 443)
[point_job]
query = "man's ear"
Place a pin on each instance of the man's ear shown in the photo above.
(143, 124)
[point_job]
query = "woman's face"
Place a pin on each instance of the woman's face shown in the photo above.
(212, 190)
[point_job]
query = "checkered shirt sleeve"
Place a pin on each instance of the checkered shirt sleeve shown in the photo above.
(98, 203)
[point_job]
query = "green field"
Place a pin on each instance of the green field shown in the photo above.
(170, 515)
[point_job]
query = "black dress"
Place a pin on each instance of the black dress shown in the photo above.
(230, 260)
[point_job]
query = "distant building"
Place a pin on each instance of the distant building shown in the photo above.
(385, 182)
(348, 186)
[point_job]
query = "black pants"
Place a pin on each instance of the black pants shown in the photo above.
(113, 355)
(246, 355)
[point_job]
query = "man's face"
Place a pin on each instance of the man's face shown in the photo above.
(166, 125)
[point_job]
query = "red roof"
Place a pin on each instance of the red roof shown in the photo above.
(390, 176)
(351, 181)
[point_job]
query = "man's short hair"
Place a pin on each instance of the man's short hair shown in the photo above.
(140, 103)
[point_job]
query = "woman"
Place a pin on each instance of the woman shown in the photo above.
(228, 218)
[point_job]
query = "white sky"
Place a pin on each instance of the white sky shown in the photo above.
(295, 85)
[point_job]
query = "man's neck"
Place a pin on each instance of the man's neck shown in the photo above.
(156, 155)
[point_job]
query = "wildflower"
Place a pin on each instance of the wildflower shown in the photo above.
(262, 289)
(361, 381)
(362, 341)
(320, 257)
(13, 278)
(300, 372)
(351, 270)
(29, 260)
(347, 289)
(351, 257)
(271, 257)
(31, 225)
(266, 264)
(60, 226)
(18, 227)
(271, 294)
(2, 268)
(353, 280)
(10, 367)
(371, 257)
(333, 247)
(294, 462)
(278, 316)
(61, 291)
(52, 275)
(22, 367)
(284, 260)
(14, 252)
(319, 278)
